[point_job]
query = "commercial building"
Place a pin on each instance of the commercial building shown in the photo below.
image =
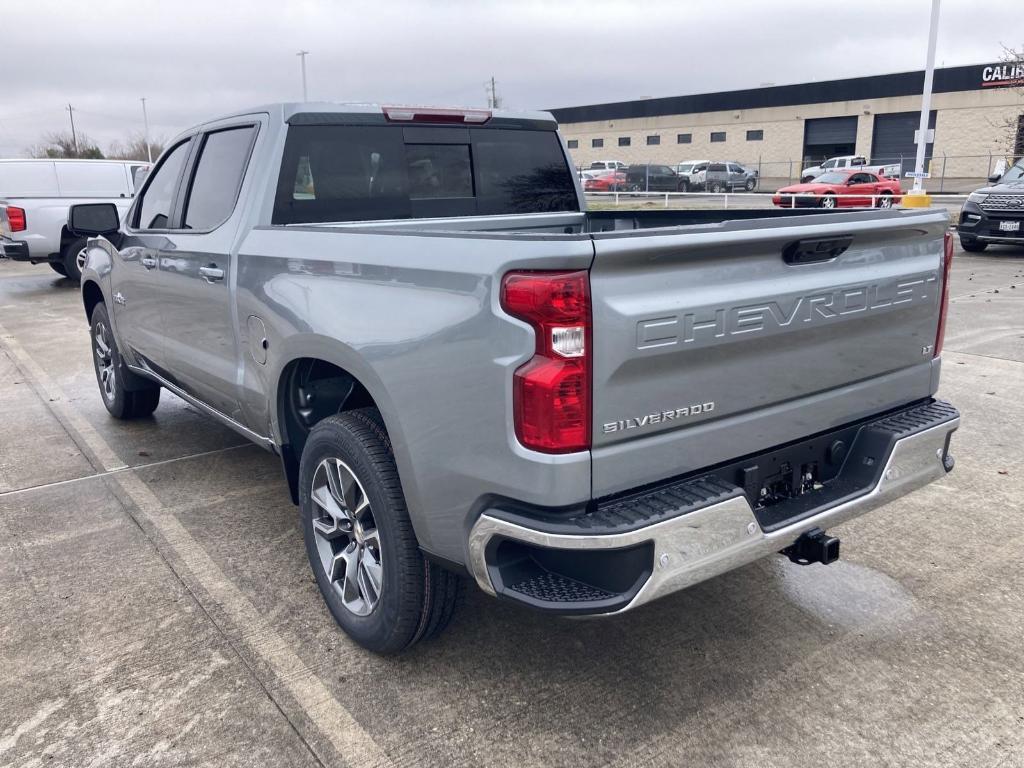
(977, 115)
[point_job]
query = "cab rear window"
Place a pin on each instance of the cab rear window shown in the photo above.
(363, 173)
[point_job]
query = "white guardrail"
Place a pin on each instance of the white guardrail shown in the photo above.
(788, 200)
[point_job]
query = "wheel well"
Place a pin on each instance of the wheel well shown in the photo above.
(308, 391)
(91, 296)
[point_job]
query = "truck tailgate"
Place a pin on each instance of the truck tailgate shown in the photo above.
(715, 341)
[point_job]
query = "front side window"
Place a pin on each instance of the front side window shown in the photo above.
(155, 208)
(717, 136)
(218, 177)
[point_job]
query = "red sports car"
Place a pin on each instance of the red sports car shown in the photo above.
(606, 182)
(842, 189)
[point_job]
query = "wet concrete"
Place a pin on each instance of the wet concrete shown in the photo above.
(165, 614)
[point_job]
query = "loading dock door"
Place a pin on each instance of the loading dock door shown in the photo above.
(893, 139)
(826, 137)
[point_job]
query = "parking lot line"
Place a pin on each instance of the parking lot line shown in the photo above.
(350, 740)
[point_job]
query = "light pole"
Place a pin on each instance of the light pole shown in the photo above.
(926, 101)
(302, 56)
(145, 130)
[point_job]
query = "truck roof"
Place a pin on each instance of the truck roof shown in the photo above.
(287, 111)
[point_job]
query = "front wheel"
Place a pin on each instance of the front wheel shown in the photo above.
(750, 184)
(112, 375)
(972, 246)
(360, 541)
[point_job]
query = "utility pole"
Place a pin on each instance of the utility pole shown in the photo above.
(926, 100)
(145, 130)
(302, 55)
(492, 95)
(74, 136)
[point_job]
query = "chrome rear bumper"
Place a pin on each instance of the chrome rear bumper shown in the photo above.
(719, 537)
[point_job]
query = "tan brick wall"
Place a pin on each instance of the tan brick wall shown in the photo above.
(967, 123)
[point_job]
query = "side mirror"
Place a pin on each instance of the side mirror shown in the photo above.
(140, 177)
(995, 177)
(90, 219)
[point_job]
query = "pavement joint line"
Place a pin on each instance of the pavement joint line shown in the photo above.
(132, 468)
(987, 357)
(349, 739)
(1006, 287)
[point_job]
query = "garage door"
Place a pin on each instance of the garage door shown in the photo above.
(893, 139)
(830, 130)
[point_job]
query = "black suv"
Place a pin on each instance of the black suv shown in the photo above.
(995, 214)
(653, 178)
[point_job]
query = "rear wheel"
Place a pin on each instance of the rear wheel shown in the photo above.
(112, 375)
(73, 258)
(885, 201)
(359, 538)
(58, 267)
(717, 187)
(971, 245)
(828, 201)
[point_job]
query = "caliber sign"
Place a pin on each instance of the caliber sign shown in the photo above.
(1002, 75)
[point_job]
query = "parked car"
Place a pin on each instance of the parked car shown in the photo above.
(653, 178)
(845, 162)
(464, 371)
(727, 177)
(607, 165)
(994, 214)
(691, 172)
(841, 189)
(609, 181)
(34, 199)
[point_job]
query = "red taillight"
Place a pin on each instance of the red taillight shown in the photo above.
(16, 218)
(551, 392)
(435, 115)
(947, 262)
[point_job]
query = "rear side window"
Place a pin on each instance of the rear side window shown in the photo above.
(716, 168)
(363, 173)
(217, 177)
(155, 208)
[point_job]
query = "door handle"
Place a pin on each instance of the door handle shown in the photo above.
(211, 274)
(148, 262)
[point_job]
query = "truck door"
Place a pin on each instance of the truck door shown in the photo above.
(196, 266)
(136, 301)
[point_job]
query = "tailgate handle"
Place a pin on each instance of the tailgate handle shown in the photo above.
(819, 249)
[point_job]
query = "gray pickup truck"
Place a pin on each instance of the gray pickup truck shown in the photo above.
(465, 373)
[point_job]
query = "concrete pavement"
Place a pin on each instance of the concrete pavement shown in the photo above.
(156, 607)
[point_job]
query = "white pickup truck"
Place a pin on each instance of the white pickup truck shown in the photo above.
(848, 161)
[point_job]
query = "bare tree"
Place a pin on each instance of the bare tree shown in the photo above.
(1012, 126)
(134, 148)
(63, 145)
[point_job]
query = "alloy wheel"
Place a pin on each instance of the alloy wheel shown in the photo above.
(347, 539)
(104, 361)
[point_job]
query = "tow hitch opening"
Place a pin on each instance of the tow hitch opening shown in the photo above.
(815, 546)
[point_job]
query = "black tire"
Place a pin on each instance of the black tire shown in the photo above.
(750, 185)
(70, 258)
(717, 187)
(58, 267)
(112, 374)
(828, 201)
(884, 200)
(971, 245)
(415, 598)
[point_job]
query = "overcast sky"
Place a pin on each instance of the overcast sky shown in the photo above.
(194, 60)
